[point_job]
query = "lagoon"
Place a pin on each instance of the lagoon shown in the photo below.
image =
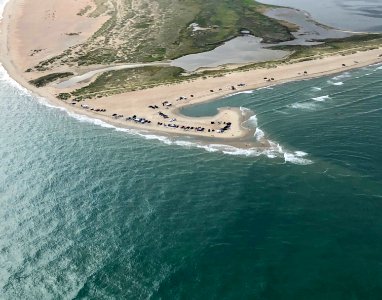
(354, 15)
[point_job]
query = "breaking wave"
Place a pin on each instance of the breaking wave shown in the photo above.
(253, 121)
(4, 76)
(2, 6)
(243, 92)
(245, 111)
(297, 158)
(322, 98)
(335, 83)
(259, 134)
(342, 76)
(274, 151)
(304, 105)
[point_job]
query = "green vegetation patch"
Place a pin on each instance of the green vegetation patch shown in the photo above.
(121, 81)
(101, 8)
(349, 44)
(116, 82)
(85, 10)
(154, 30)
(44, 80)
(233, 16)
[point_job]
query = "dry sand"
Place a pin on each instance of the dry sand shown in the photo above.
(46, 26)
(27, 27)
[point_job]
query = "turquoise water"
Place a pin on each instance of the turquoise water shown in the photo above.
(90, 212)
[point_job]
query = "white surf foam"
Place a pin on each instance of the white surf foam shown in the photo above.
(335, 83)
(253, 121)
(373, 65)
(184, 144)
(243, 92)
(230, 150)
(244, 110)
(268, 87)
(274, 151)
(304, 106)
(300, 153)
(44, 102)
(342, 76)
(2, 6)
(159, 138)
(259, 134)
(86, 119)
(295, 159)
(315, 88)
(242, 152)
(322, 98)
(4, 76)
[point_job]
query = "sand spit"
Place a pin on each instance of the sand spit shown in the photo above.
(27, 28)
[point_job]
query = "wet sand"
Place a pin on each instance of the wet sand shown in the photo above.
(18, 40)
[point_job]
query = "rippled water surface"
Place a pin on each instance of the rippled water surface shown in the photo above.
(91, 212)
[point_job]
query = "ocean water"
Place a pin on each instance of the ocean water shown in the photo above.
(91, 212)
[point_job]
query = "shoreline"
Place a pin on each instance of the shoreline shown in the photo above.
(137, 102)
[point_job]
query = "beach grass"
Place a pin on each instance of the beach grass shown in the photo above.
(331, 46)
(44, 80)
(120, 81)
(160, 30)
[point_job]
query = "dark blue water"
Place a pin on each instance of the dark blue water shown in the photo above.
(88, 212)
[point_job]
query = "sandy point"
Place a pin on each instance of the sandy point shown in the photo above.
(31, 33)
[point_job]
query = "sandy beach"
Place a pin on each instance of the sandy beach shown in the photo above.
(31, 33)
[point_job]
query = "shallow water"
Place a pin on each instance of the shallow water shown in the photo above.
(240, 50)
(250, 49)
(87, 211)
(355, 15)
(309, 30)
